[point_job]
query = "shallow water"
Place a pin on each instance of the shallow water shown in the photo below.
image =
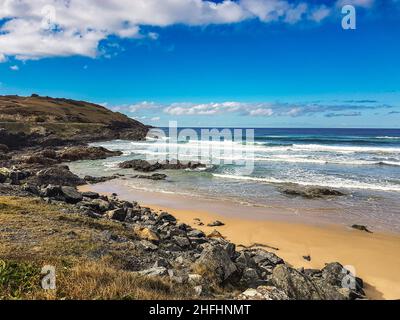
(365, 164)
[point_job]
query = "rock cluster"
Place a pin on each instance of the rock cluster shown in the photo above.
(145, 166)
(310, 192)
(186, 255)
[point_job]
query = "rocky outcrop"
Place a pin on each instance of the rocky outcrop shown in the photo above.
(59, 175)
(46, 121)
(310, 192)
(85, 153)
(155, 176)
(328, 284)
(145, 166)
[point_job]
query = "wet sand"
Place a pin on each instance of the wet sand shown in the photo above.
(375, 257)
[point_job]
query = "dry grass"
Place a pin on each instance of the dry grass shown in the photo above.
(88, 265)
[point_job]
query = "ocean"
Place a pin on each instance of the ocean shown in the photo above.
(362, 163)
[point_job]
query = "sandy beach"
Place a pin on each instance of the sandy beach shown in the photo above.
(375, 257)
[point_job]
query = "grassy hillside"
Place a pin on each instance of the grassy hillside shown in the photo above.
(41, 119)
(54, 110)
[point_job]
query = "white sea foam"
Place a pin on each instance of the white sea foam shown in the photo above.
(334, 182)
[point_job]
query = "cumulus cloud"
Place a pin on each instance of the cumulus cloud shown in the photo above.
(344, 114)
(56, 28)
(14, 68)
(263, 109)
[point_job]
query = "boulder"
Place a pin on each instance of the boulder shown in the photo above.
(50, 191)
(90, 195)
(57, 176)
(39, 159)
(216, 224)
(196, 234)
(216, 261)
(310, 192)
(71, 195)
(155, 176)
(140, 165)
(154, 272)
(183, 242)
(93, 180)
(146, 234)
(263, 293)
(100, 205)
(262, 257)
(250, 278)
(165, 216)
(116, 214)
(145, 166)
(332, 285)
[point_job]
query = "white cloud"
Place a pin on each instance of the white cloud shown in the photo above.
(155, 119)
(14, 68)
(252, 109)
(180, 109)
(56, 28)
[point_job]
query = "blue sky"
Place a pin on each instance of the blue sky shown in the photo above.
(286, 68)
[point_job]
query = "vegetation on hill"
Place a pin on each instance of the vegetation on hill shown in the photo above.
(39, 120)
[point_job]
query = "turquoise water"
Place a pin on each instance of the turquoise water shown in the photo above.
(363, 163)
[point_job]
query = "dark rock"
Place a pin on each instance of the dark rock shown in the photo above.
(16, 176)
(57, 176)
(155, 176)
(310, 192)
(165, 216)
(71, 195)
(145, 166)
(93, 180)
(263, 257)
(116, 214)
(183, 242)
(300, 286)
(51, 191)
(99, 205)
(86, 153)
(196, 234)
(216, 260)
(4, 148)
(90, 195)
(140, 165)
(3, 177)
(361, 228)
(307, 258)
(216, 224)
(250, 278)
(32, 189)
